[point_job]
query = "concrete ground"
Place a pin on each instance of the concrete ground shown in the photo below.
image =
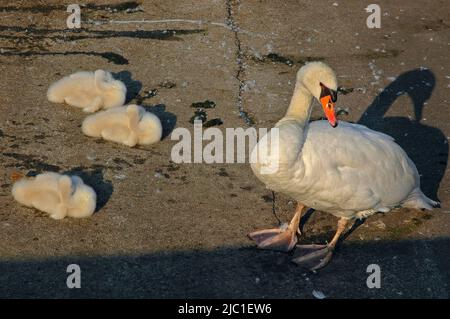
(168, 230)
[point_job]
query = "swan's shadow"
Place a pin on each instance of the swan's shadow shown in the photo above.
(427, 146)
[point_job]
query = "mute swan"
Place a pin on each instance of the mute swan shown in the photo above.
(56, 194)
(90, 91)
(347, 170)
(128, 125)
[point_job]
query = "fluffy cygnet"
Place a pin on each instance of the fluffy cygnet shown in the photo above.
(56, 194)
(129, 125)
(90, 91)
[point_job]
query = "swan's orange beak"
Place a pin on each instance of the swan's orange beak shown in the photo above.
(328, 109)
(327, 98)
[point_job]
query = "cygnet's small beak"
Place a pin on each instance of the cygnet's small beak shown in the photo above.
(15, 176)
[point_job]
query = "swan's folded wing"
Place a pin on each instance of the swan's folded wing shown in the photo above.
(366, 167)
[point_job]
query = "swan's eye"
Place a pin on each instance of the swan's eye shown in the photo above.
(325, 91)
(333, 96)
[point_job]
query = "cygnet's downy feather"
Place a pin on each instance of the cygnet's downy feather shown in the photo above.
(90, 91)
(56, 194)
(130, 125)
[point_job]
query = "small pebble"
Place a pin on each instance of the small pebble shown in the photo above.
(318, 294)
(91, 156)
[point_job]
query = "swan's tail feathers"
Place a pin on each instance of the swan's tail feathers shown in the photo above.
(418, 200)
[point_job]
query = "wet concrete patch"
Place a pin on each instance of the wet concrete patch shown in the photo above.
(277, 58)
(204, 105)
(141, 97)
(127, 6)
(29, 41)
(109, 56)
(121, 162)
(373, 55)
(139, 161)
(160, 173)
(213, 122)
(222, 172)
(436, 25)
(68, 35)
(167, 84)
(30, 162)
(344, 91)
(273, 58)
(342, 111)
(172, 167)
(199, 115)
(248, 119)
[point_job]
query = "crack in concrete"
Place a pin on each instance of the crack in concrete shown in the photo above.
(240, 57)
(239, 61)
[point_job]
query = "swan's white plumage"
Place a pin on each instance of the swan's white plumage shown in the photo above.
(129, 125)
(349, 171)
(56, 194)
(90, 91)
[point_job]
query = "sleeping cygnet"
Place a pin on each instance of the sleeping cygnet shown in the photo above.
(129, 125)
(56, 194)
(90, 91)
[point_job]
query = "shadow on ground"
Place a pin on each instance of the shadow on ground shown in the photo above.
(409, 269)
(411, 133)
(133, 86)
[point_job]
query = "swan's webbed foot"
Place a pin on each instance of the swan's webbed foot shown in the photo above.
(322, 254)
(275, 238)
(278, 238)
(319, 258)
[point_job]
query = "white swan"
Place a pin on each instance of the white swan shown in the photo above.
(56, 194)
(129, 125)
(90, 91)
(347, 170)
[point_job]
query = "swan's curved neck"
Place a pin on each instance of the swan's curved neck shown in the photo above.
(301, 105)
